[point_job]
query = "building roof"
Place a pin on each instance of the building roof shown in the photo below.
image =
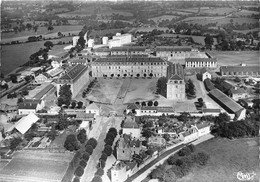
(130, 123)
(46, 75)
(204, 70)
(84, 115)
(225, 100)
(73, 72)
(237, 90)
(209, 110)
(55, 71)
(92, 106)
(29, 104)
(133, 106)
(78, 61)
(208, 84)
(165, 109)
(43, 91)
(126, 141)
(6, 107)
(101, 50)
(175, 72)
(202, 125)
(147, 108)
(173, 48)
(226, 85)
(25, 123)
(129, 59)
(201, 60)
(240, 69)
(129, 49)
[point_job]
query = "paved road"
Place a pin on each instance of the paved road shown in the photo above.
(164, 155)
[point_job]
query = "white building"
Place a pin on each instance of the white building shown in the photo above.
(75, 40)
(30, 106)
(105, 40)
(91, 43)
(130, 127)
(200, 62)
(43, 78)
(120, 171)
(120, 40)
(203, 128)
(205, 74)
(93, 109)
(189, 135)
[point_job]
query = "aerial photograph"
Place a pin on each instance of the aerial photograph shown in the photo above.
(129, 91)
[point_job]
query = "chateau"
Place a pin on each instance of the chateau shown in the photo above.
(129, 67)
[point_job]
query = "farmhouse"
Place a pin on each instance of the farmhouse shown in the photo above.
(127, 147)
(130, 127)
(30, 105)
(200, 62)
(175, 84)
(240, 71)
(76, 76)
(129, 67)
(32, 166)
(189, 135)
(228, 104)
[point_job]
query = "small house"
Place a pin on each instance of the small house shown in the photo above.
(30, 105)
(42, 78)
(93, 109)
(205, 74)
(238, 93)
(130, 127)
(120, 171)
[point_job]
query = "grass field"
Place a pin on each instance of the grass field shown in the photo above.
(43, 31)
(234, 58)
(247, 31)
(13, 56)
(246, 13)
(163, 17)
(219, 11)
(226, 159)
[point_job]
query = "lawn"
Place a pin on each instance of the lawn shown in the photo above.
(226, 159)
(236, 57)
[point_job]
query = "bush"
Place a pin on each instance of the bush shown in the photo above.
(15, 142)
(113, 131)
(100, 172)
(71, 143)
(97, 179)
(177, 171)
(157, 173)
(79, 171)
(150, 103)
(108, 150)
(82, 163)
(155, 103)
(101, 164)
(73, 105)
(76, 179)
(103, 156)
(191, 147)
(85, 156)
(82, 136)
(172, 160)
(89, 149)
(80, 104)
(201, 158)
(92, 142)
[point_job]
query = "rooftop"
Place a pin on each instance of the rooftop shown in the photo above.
(73, 72)
(25, 123)
(44, 91)
(175, 72)
(130, 123)
(149, 108)
(126, 141)
(225, 100)
(129, 59)
(132, 48)
(29, 104)
(173, 48)
(237, 90)
(240, 69)
(133, 106)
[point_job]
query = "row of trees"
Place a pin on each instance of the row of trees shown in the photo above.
(90, 85)
(162, 86)
(181, 164)
(190, 89)
(65, 95)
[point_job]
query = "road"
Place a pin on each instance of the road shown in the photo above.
(164, 155)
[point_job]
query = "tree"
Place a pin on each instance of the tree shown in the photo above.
(150, 103)
(209, 41)
(155, 103)
(172, 160)
(109, 137)
(65, 94)
(20, 100)
(80, 104)
(170, 176)
(92, 142)
(151, 75)
(108, 150)
(48, 44)
(113, 131)
(15, 142)
(162, 86)
(158, 173)
(79, 171)
(13, 78)
(143, 103)
(201, 158)
(82, 42)
(147, 133)
(71, 143)
(76, 179)
(73, 105)
(97, 179)
(52, 134)
(222, 118)
(184, 151)
(103, 156)
(50, 28)
(184, 117)
(85, 156)
(82, 137)
(83, 163)
(100, 172)
(101, 164)
(89, 149)
(190, 88)
(63, 121)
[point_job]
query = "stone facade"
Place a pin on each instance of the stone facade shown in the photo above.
(200, 62)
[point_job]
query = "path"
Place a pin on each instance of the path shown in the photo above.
(99, 133)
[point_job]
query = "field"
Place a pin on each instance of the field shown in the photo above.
(234, 58)
(13, 56)
(245, 13)
(220, 20)
(43, 31)
(247, 31)
(219, 11)
(163, 17)
(226, 159)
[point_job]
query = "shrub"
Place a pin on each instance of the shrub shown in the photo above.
(155, 103)
(76, 179)
(101, 164)
(172, 160)
(177, 171)
(201, 158)
(191, 147)
(85, 156)
(79, 171)
(184, 151)
(150, 103)
(103, 156)
(71, 143)
(82, 163)
(113, 131)
(100, 172)
(89, 149)
(157, 173)
(92, 142)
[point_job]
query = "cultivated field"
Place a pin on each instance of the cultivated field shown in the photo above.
(43, 31)
(235, 58)
(247, 31)
(13, 56)
(219, 11)
(163, 17)
(226, 159)
(246, 13)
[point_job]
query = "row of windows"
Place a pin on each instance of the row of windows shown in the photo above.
(131, 63)
(240, 73)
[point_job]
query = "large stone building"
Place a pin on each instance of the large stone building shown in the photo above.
(175, 84)
(176, 52)
(240, 71)
(120, 40)
(200, 62)
(125, 51)
(129, 67)
(76, 76)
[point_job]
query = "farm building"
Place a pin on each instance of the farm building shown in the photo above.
(129, 67)
(241, 71)
(200, 62)
(228, 104)
(30, 105)
(32, 166)
(176, 83)
(120, 171)
(76, 76)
